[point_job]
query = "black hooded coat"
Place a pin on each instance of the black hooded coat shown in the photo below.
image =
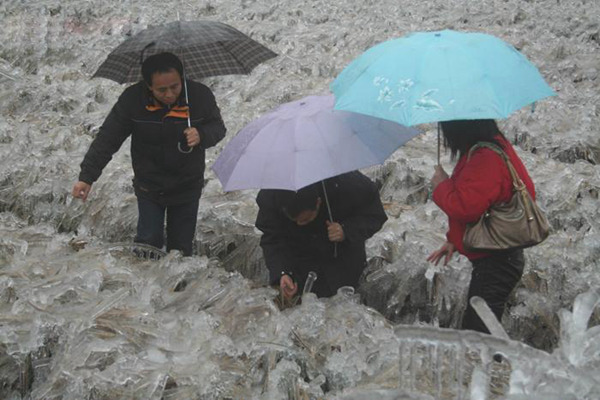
(289, 248)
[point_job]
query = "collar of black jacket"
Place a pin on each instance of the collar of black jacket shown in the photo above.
(177, 110)
(152, 102)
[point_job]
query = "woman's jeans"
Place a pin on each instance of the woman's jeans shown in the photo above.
(181, 225)
(493, 279)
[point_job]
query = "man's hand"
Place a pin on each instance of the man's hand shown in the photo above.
(192, 136)
(288, 287)
(446, 250)
(335, 232)
(438, 176)
(81, 190)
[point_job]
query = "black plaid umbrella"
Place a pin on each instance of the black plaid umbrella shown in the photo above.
(206, 48)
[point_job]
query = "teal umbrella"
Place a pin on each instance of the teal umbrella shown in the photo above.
(439, 76)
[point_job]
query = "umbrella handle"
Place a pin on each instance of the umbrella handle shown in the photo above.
(144, 50)
(330, 216)
(188, 118)
(184, 151)
(438, 143)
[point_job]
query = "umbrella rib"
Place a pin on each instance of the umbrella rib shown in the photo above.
(368, 67)
(269, 151)
(330, 157)
(373, 159)
(452, 83)
(236, 157)
(294, 173)
(222, 44)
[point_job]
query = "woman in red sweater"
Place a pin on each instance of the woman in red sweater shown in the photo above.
(477, 183)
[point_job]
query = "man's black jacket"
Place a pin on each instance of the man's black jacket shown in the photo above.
(355, 203)
(161, 171)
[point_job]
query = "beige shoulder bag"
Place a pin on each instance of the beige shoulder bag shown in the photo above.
(517, 224)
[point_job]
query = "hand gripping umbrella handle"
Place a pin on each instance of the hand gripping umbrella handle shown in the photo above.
(330, 216)
(188, 117)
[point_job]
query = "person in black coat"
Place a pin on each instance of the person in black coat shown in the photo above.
(167, 155)
(299, 237)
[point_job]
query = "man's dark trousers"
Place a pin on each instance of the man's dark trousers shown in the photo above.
(181, 225)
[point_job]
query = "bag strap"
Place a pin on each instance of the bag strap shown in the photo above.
(516, 179)
(517, 182)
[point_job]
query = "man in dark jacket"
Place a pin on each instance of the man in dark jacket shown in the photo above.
(299, 237)
(167, 155)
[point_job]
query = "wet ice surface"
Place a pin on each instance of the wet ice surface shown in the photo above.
(99, 323)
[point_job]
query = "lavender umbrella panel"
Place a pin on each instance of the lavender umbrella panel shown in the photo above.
(303, 142)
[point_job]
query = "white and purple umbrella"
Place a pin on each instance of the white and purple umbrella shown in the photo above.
(303, 142)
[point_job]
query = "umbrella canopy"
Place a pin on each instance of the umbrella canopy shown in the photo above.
(439, 76)
(303, 142)
(206, 48)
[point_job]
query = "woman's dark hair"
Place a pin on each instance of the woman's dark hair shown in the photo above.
(293, 203)
(460, 135)
(162, 62)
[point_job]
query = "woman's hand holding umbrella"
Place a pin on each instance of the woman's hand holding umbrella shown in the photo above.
(438, 176)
